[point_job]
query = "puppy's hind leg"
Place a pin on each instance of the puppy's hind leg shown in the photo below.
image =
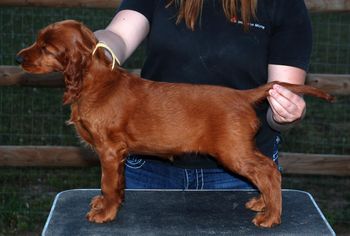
(263, 173)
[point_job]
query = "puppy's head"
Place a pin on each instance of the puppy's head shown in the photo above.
(61, 46)
(65, 46)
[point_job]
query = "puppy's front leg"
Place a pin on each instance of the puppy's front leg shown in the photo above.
(104, 207)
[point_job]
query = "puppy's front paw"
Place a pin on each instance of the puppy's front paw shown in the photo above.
(97, 202)
(101, 210)
(265, 220)
(101, 215)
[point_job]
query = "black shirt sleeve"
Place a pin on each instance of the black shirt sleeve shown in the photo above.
(144, 7)
(291, 36)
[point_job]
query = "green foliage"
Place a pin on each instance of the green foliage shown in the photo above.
(27, 194)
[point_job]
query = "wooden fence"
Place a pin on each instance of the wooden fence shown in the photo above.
(296, 163)
(336, 84)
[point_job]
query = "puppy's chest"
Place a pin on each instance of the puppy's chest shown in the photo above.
(83, 124)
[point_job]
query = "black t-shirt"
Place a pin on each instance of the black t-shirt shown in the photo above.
(220, 52)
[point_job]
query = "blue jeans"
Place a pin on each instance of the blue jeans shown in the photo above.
(153, 174)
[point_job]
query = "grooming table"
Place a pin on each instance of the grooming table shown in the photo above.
(175, 212)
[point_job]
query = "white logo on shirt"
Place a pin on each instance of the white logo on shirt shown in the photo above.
(256, 25)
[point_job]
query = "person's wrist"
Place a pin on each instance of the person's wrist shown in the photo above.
(282, 126)
(114, 43)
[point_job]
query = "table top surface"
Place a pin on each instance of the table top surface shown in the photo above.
(177, 212)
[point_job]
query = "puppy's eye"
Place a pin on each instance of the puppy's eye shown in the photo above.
(45, 48)
(48, 49)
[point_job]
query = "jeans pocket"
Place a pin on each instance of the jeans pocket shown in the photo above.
(276, 152)
(134, 162)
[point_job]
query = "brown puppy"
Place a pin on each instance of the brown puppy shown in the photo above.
(119, 113)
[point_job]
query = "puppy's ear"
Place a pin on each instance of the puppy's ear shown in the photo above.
(78, 59)
(73, 78)
(89, 40)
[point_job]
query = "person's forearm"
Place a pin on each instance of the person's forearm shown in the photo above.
(124, 34)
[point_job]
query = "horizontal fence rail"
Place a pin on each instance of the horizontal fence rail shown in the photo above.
(63, 3)
(47, 156)
(335, 84)
(313, 5)
(68, 156)
(315, 164)
(327, 5)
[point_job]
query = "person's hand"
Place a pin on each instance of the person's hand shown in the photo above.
(286, 106)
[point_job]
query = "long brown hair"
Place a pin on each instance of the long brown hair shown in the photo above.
(190, 10)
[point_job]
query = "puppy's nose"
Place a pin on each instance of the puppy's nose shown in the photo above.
(19, 59)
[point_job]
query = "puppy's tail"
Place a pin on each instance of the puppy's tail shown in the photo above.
(261, 93)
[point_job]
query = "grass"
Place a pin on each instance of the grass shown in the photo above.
(27, 194)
